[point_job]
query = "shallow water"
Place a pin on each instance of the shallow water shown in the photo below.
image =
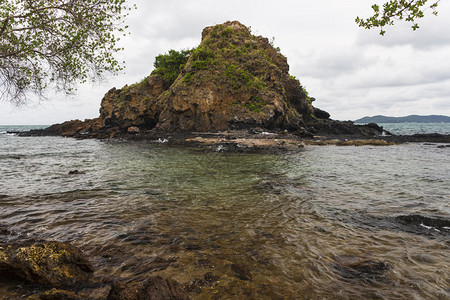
(237, 226)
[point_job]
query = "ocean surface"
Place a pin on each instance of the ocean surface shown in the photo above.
(416, 128)
(328, 222)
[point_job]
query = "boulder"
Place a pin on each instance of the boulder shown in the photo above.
(51, 263)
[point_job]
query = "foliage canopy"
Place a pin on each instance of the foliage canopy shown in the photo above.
(58, 43)
(169, 65)
(395, 10)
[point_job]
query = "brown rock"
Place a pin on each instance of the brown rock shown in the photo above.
(154, 288)
(51, 263)
(233, 80)
(133, 129)
(135, 105)
(242, 272)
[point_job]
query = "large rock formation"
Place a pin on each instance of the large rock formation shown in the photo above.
(232, 80)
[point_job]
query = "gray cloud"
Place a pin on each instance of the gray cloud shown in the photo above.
(352, 72)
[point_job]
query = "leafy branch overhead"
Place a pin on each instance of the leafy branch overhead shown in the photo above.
(398, 10)
(57, 43)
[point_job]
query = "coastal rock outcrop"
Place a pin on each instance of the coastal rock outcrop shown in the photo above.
(233, 80)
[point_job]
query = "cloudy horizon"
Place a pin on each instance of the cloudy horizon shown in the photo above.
(350, 71)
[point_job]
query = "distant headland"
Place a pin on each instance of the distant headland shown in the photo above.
(410, 118)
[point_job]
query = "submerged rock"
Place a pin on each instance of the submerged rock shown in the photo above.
(51, 263)
(76, 172)
(55, 294)
(424, 222)
(353, 267)
(154, 288)
(242, 272)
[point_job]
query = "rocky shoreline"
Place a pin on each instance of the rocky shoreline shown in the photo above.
(250, 140)
(55, 270)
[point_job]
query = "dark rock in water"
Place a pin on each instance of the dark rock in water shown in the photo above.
(353, 267)
(76, 172)
(321, 114)
(418, 220)
(4, 230)
(328, 126)
(50, 263)
(241, 272)
(196, 286)
(154, 288)
(192, 247)
(152, 192)
(209, 277)
(375, 126)
(68, 128)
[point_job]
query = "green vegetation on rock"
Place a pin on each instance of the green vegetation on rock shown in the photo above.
(169, 65)
(233, 79)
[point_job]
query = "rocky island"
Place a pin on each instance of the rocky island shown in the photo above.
(233, 90)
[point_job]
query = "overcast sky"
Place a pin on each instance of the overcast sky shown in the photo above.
(350, 71)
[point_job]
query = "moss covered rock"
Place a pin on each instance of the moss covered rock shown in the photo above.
(51, 263)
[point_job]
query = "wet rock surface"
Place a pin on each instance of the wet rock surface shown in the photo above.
(241, 271)
(154, 288)
(56, 294)
(56, 270)
(353, 267)
(425, 224)
(49, 263)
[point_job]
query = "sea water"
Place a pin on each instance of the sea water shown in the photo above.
(409, 128)
(285, 226)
